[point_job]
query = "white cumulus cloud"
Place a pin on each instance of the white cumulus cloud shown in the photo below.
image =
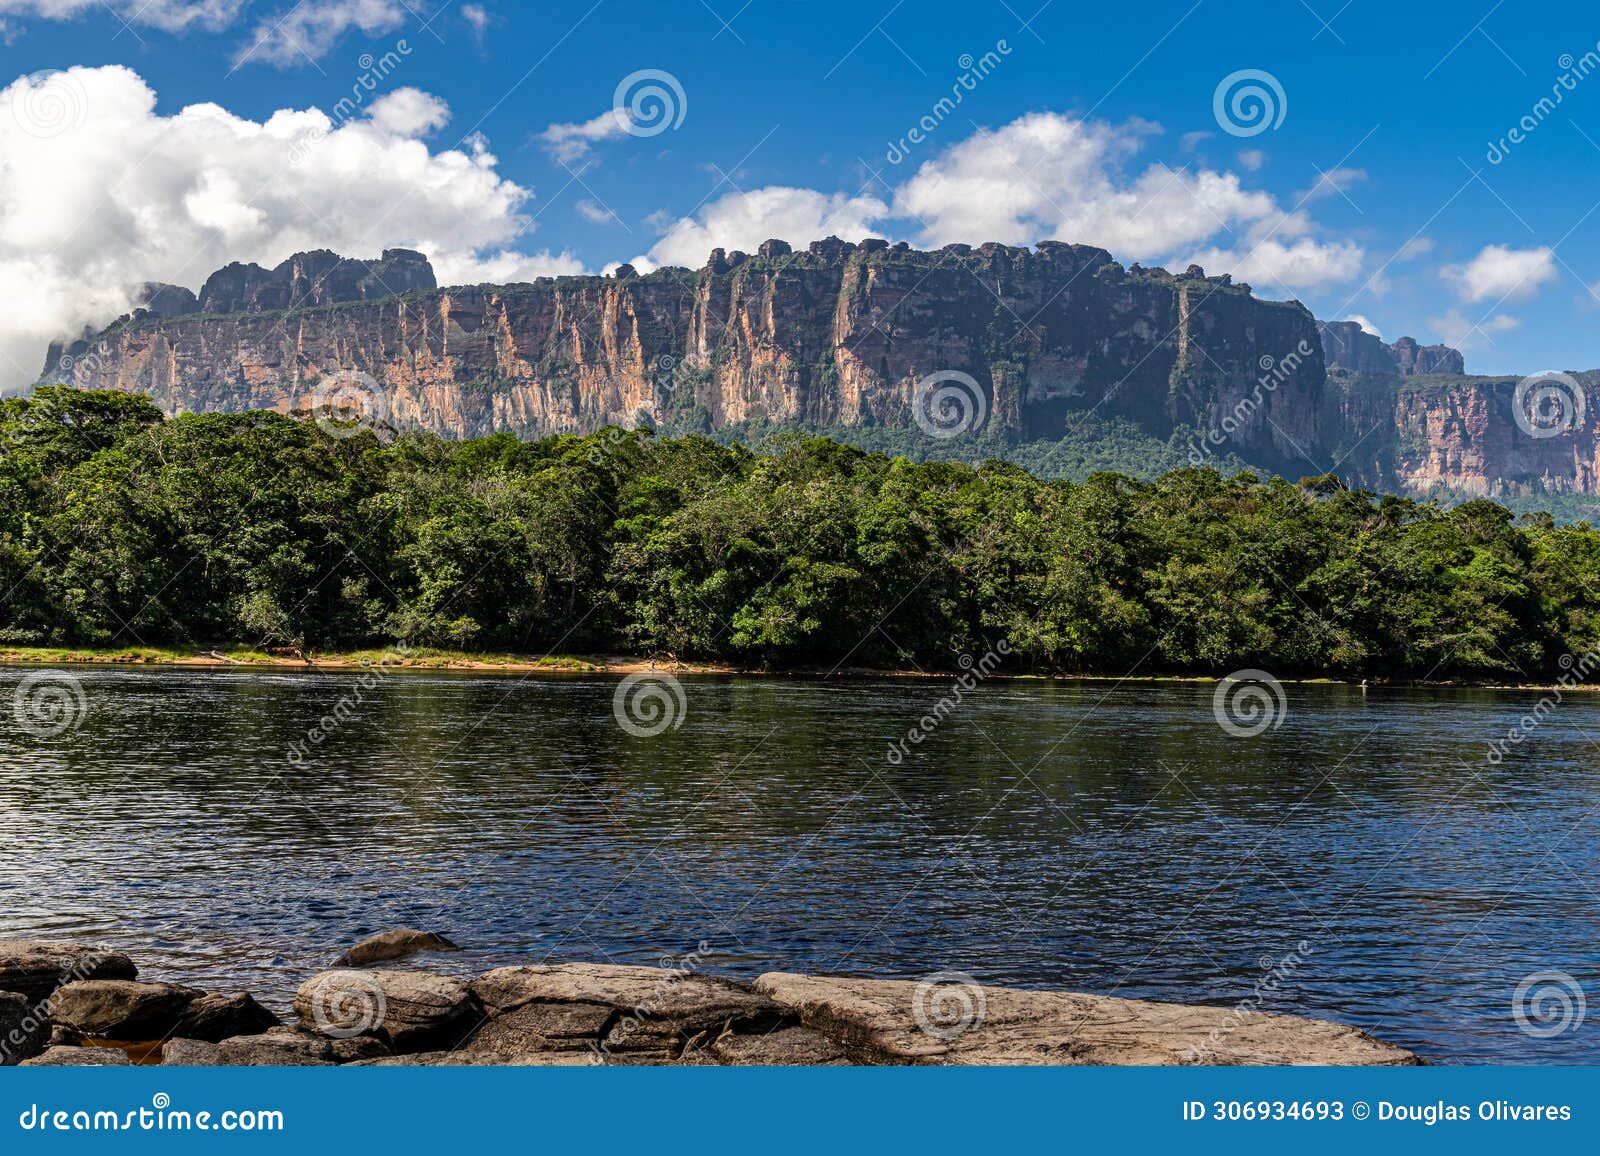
(101, 193)
(1050, 176)
(744, 220)
(409, 112)
(1045, 176)
(1500, 273)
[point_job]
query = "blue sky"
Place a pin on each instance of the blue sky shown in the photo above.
(1373, 196)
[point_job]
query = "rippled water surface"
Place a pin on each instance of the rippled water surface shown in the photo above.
(1364, 859)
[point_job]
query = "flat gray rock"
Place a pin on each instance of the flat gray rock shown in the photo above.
(394, 945)
(412, 1011)
(35, 968)
(63, 1057)
(121, 1009)
(904, 1022)
(24, 1028)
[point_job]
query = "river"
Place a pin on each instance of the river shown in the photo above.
(1362, 860)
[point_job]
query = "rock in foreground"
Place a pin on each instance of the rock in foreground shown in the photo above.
(591, 1014)
(36, 969)
(410, 1010)
(24, 1030)
(121, 1009)
(901, 1022)
(62, 1057)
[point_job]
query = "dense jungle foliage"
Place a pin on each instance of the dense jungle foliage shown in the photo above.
(120, 528)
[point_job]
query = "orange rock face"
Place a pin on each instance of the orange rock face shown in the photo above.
(835, 336)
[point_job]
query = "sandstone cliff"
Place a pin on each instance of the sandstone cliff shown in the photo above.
(840, 336)
(836, 335)
(1426, 433)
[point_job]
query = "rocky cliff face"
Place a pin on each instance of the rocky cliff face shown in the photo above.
(839, 334)
(1424, 433)
(1025, 341)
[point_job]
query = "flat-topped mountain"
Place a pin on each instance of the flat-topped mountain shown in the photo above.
(839, 336)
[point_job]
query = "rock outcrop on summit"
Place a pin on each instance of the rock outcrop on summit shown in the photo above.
(1348, 346)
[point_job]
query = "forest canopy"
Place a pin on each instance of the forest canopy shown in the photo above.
(120, 528)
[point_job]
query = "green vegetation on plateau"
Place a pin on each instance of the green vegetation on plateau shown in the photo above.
(118, 528)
